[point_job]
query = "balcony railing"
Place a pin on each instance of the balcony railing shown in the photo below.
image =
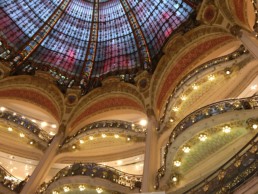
(25, 124)
(233, 173)
(96, 171)
(198, 71)
(107, 124)
(8, 181)
(204, 113)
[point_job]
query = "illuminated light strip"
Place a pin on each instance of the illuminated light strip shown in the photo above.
(41, 34)
(138, 35)
(92, 45)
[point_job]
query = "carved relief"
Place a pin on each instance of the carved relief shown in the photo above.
(209, 14)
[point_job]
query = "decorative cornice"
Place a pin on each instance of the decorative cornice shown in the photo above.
(34, 90)
(111, 85)
(186, 80)
(186, 63)
(238, 7)
(177, 47)
(31, 96)
(110, 102)
(112, 89)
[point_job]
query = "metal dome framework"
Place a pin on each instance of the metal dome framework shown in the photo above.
(80, 41)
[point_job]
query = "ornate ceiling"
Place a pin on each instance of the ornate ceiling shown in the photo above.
(67, 109)
(81, 40)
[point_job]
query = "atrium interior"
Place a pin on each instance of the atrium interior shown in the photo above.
(128, 96)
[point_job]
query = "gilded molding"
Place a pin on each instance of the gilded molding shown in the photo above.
(175, 50)
(111, 89)
(21, 87)
(103, 104)
(181, 64)
(238, 10)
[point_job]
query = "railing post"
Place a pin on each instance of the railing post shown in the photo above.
(44, 165)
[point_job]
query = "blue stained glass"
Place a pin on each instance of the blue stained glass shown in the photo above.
(121, 42)
(115, 39)
(43, 9)
(158, 19)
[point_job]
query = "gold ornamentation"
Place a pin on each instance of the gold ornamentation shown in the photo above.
(237, 163)
(205, 188)
(221, 174)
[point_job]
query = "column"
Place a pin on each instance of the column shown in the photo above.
(248, 40)
(39, 174)
(152, 156)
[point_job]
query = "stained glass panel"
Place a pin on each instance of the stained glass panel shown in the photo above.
(125, 34)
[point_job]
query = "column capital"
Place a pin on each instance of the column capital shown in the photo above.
(247, 38)
(62, 128)
(4, 69)
(152, 118)
(150, 113)
(236, 31)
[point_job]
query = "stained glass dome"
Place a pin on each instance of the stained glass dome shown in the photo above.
(88, 39)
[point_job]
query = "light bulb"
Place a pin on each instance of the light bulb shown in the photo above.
(82, 188)
(22, 135)
(202, 137)
(186, 149)
(177, 163)
(143, 122)
(99, 190)
(226, 129)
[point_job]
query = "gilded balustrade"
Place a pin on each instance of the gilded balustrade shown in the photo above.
(233, 173)
(8, 181)
(24, 123)
(255, 27)
(95, 171)
(89, 129)
(205, 113)
(197, 72)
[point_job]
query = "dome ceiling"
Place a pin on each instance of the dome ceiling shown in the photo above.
(84, 39)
